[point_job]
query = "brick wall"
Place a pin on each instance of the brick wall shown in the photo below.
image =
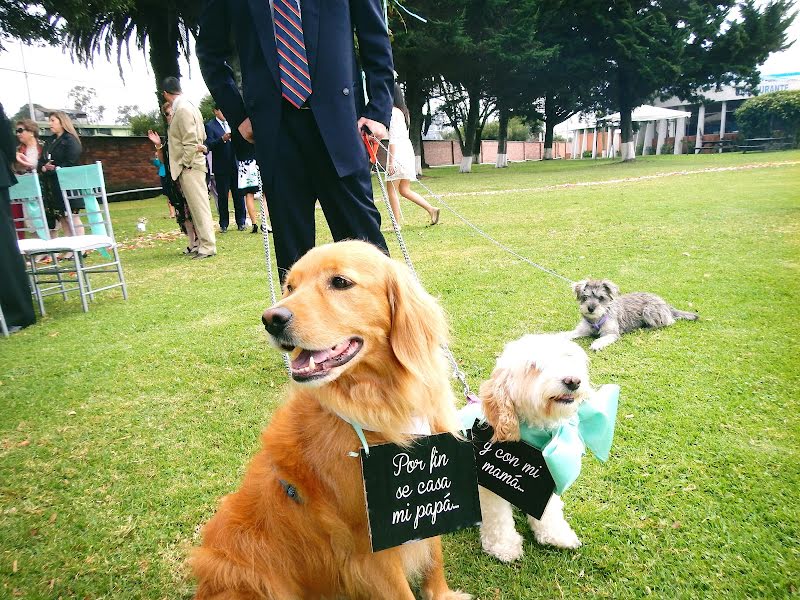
(448, 152)
(126, 162)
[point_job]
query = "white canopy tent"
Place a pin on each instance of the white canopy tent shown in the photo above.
(654, 116)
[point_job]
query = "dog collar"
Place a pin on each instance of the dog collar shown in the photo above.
(419, 426)
(598, 324)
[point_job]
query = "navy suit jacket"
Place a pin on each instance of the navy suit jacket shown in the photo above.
(328, 27)
(223, 157)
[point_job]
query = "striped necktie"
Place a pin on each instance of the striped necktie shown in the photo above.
(295, 80)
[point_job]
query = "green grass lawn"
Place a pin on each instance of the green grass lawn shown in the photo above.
(121, 428)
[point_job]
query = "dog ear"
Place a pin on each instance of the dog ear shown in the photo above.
(578, 286)
(419, 326)
(498, 407)
(611, 288)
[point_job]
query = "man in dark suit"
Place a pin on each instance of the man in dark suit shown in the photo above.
(225, 170)
(15, 293)
(300, 85)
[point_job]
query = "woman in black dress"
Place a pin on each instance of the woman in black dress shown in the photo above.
(62, 150)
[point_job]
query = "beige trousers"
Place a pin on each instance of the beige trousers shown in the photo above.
(193, 184)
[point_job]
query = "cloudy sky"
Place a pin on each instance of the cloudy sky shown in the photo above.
(52, 73)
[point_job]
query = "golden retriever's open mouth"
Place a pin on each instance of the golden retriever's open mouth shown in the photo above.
(315, 364)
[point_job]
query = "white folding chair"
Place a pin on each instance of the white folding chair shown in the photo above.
(27, 194)
(84, 183)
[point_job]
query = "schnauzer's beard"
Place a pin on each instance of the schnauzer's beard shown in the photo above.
(595, 316)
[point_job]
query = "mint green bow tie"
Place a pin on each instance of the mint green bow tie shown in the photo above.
(592, 427)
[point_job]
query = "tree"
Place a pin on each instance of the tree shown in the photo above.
(681, 47)
(142, 122)
(28, 22)
(206, 107)
(766, 114)
(109, 26)
(125, 112)
(83, 99)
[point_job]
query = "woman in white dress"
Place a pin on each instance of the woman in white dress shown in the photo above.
(401, 165)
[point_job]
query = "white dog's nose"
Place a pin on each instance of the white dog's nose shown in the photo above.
(572, 383)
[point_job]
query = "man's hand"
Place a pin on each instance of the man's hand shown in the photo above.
(377, 129)
(226, 137)
(246, 129)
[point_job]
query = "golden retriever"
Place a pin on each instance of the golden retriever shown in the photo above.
(366, 345)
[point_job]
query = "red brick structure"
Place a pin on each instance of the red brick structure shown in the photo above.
(448, 152)
(126, 162)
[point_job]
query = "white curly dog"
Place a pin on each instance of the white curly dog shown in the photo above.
(539, 380)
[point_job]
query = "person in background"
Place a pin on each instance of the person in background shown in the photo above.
(29, 150)
(187, 166)
(224, 168)
(28, 154)
(62, 150)
(173, 189)
(15, 292)
(162, 175)
(249, 178)
(401, 164)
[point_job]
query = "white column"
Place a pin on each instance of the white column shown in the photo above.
(583, 141)
(609, 130)
(662, 135)
(722, 116)
(574, 143)
(594, 143)
(680, 131)
(648, 136)
(701, 125)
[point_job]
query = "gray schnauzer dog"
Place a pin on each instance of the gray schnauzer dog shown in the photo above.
(607, 315)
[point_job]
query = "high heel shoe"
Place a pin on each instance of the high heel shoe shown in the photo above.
(255, 228)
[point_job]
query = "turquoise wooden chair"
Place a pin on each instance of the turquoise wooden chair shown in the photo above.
(83, 182)
(27, 194)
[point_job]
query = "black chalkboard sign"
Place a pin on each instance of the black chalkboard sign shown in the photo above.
(515, 471)
(413, 493)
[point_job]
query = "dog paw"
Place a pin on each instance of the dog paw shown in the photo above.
(455, 595)
(566, 540)
(507, 552)
(596, 346)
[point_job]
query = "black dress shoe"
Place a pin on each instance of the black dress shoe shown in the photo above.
(200, 256)
(223, 229)
(241, 228)
(255, 228)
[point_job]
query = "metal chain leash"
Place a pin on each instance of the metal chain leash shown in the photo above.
(268, 256)
(381, 173)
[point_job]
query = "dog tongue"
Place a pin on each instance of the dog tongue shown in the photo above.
(302, 360)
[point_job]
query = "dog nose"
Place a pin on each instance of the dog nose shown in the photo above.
(572, 383)
(276, 319)
(591, 308)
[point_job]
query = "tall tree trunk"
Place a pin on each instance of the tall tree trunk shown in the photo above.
(415, 100)
(163, 41)
(627, 149)
(502, 138)
(470, 129)
(549, 126)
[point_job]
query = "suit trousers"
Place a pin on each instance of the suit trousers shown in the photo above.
(229, 183)
(193, 184)
(304, 173)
